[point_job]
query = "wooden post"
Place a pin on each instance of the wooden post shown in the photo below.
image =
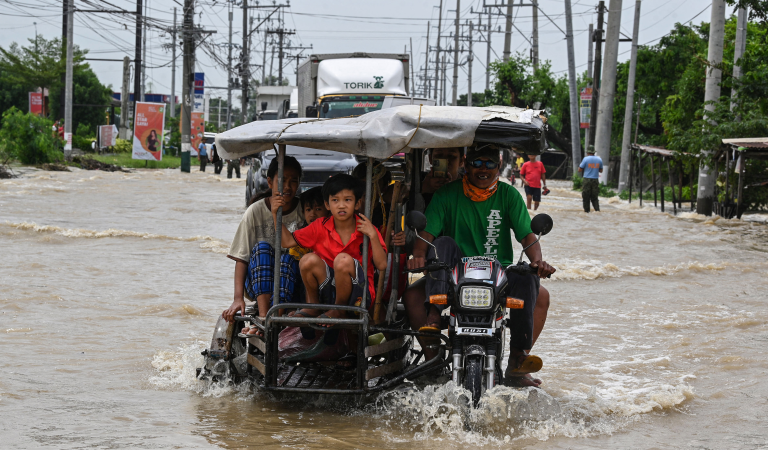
(661, 178)
(715, 197)
(631, 169)
(680, 185)
(739, 208)
(366, 241)
(389, 273)
(693, 202)
(278, 226)
(672, 187)
(641, 177)
(653, 180)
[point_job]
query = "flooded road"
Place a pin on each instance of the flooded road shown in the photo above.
(110, 284)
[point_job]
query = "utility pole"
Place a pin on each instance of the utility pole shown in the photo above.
(244, 66)
(124, 100)
(64, 22)
(597, 38)
(589, 84)
(707, 177)
(137, 60)
(738, 52)
(144, 55)
(488, 53)
(280, 32)
(187, 85)
(508, 32)
(470, 58)
(173, 66)
(413, 81)
(456, 55)
(442, 89)
(437, 54)
(68, 83)
(589, 53)
(608, 87)
(426, 64)
(573, 91)
(230, 75)
(624, 167)
(535, 35)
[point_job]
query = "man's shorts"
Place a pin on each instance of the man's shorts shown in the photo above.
(328, 288)
(533, 192)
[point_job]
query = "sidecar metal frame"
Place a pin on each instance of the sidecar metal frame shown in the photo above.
(377, 135)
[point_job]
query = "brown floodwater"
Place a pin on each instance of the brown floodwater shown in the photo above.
(110, 284)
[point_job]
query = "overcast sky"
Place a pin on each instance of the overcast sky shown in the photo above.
(330, 27)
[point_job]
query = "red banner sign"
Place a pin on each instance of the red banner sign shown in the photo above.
(148, 131)
(36, 103)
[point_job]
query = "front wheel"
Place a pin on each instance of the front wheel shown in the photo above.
(473, 377)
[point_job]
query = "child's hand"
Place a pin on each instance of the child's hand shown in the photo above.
(366, 227)
(276, 201)
(398, 239)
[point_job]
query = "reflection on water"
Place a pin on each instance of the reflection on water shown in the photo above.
(110, 284)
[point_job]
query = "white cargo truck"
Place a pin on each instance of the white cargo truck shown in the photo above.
(352, 84)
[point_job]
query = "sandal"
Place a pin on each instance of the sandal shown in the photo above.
(306, 332)
(530, 364)
(320, 327)
(249, 334)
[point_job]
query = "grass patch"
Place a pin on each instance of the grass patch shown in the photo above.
(125, 160)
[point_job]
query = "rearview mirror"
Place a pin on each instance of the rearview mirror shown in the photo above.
(541, 224)
(416, 220)
(311, 111)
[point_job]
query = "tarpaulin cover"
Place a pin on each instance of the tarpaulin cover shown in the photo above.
(381, 134)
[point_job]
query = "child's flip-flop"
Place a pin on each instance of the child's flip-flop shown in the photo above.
(306, 332)
(320, 327)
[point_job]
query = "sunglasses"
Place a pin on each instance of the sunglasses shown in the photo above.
(478, 163)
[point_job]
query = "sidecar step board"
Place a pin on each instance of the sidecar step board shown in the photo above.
(314, 376)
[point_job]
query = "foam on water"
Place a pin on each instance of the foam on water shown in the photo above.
(207, 242)
(442, 412)
(574, 269)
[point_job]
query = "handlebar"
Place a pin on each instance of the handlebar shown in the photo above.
(523, 268)
(430, 268)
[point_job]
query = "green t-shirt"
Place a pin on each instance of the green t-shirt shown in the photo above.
(480, 228)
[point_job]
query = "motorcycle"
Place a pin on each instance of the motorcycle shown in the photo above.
(480, 309)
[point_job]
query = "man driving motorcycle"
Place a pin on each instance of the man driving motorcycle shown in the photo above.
(474, 217)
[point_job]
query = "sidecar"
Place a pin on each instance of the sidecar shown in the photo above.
(384, 350)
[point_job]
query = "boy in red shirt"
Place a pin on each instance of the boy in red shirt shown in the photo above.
(333, 272)
(533, 176)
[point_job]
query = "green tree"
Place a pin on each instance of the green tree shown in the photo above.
(40, 64)
(519, 85)
(27, 137)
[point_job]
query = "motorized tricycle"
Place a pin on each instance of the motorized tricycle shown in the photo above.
(383, 346)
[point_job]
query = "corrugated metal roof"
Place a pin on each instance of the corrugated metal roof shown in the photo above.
(756, 143)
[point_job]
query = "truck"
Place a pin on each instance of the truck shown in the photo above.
(350, 84)
(337, 85)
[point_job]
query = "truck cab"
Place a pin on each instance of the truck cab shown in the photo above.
(352, 84)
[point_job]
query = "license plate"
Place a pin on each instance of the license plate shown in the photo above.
(470, 331)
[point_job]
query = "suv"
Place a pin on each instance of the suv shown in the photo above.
(317, 166)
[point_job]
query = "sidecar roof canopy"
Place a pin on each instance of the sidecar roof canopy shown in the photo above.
(381, 134)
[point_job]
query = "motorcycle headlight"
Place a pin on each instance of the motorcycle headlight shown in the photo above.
(476, 297)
